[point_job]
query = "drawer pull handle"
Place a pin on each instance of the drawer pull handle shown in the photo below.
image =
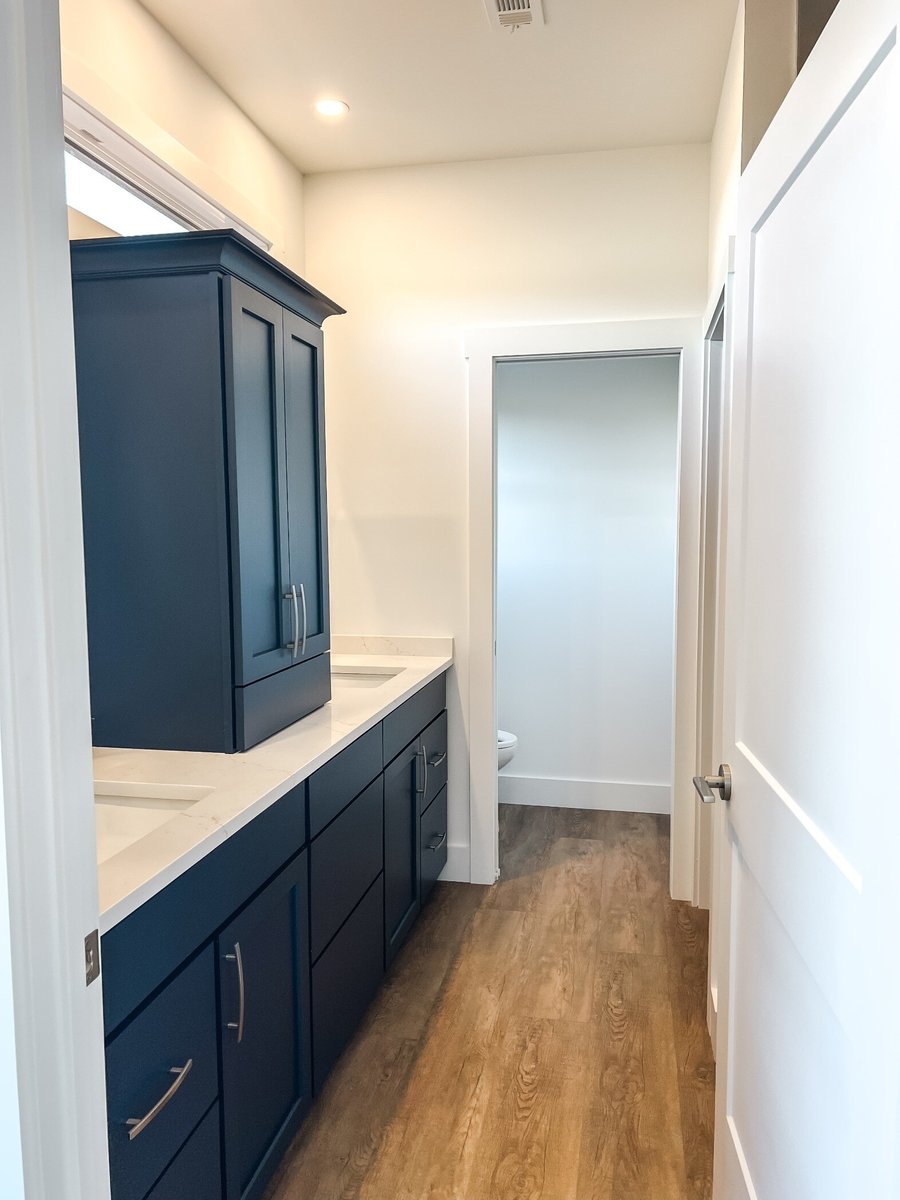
(294, 644)
(437, 760)
(424, 788)
(436, 842)
(139, 1124)
(239, 1023)
(305, 620)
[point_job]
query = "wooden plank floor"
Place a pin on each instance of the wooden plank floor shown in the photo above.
(544, 1039)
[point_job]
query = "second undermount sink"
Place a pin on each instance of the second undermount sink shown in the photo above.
(126, 812)
(363, 677)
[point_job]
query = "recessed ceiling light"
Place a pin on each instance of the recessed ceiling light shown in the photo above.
(332, 108)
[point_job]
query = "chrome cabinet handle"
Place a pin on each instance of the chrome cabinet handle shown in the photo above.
(303, 606)
(721, 783)
(239, 1023)
(436, 845)
(294, 644)
(437, 760)
(139, 1124)
(424, 788)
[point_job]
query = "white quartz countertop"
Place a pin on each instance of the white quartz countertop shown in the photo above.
(141, 850)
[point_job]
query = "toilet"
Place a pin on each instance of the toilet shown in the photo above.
(506, 747)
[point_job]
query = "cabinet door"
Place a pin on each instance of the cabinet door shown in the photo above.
(401, 848)
(305, 455)
(264, 1006)
(254, 372)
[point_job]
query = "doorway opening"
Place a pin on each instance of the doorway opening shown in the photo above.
(586, 538)
(489, 352)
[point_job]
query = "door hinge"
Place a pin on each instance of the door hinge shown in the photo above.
(91, 957)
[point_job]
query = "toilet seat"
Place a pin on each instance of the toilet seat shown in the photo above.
(506, 740)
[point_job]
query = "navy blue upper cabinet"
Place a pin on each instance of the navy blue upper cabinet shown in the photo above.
(305, 451)
(201, 424)
(258, 494)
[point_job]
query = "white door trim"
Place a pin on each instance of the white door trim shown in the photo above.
(48, 871)
(483, 347)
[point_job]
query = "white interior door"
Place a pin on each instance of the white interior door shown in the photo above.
(807, 1036)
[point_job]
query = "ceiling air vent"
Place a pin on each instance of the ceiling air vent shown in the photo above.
(514, 14)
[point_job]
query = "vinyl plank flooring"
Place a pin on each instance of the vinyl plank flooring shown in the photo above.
(543, 1039)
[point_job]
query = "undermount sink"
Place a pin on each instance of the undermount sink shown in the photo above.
(363, 677)
(126, 812)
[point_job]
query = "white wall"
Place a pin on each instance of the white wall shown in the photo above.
(417, 254)
(118, 59)
(586, 517)
(725, 161)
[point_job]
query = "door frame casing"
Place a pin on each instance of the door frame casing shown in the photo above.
(483, 349)
(48, 876)
(723, 302)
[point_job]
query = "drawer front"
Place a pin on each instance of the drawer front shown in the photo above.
(270, 704)
(433, 743)
(345, 979)
(433, 829)
(177, 1028)
(197, 1170)
(333, 786)
(344, 861)
(407, 722)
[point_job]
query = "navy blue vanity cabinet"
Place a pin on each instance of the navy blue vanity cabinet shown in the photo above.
(201, 426)
(264, 1010)
(403, 780)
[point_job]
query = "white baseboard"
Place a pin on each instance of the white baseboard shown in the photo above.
(597, 794)
(458, 868)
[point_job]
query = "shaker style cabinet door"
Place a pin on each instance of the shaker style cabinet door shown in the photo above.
(264, 615)
(304, 415)
(265, 1029)
(401, 848)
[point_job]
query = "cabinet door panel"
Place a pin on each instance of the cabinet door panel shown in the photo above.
(305, 455)
(401, 848)
(255, 374)
(264, 1003)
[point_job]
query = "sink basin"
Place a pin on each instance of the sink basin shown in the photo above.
(362, 677)
(126, 812)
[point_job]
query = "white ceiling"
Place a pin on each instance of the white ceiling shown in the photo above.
(430, 81)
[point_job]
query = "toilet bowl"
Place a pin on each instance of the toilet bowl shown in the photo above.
(506, 747)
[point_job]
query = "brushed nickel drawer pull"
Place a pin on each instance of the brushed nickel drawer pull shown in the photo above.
(437, 760)
(424, 788)
(294, 644)
(436, 845)
(239, 1023)
(303, 607)
(139, 1124)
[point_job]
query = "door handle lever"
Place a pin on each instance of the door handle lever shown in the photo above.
(721, 783)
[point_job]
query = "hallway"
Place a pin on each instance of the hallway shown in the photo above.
(542, 1039)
